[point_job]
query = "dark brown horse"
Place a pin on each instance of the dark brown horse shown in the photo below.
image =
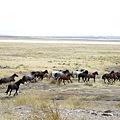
(91, 76)
(67, 77)
(14, 87)
(111, 77)
(9, 79)
(40, 74)
(118, 75)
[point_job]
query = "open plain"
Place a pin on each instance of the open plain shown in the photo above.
(46, 100)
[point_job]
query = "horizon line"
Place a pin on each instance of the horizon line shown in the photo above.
(64, 36)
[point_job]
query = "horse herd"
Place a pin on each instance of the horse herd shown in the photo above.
(59, 76)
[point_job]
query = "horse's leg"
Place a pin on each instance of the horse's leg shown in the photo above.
(104, 80)
(42, 77)
(7, 91)
(94, 79)
(35, 79)
(70, 80)
(64, 82)
(113, 80)
(10, 92)
(59, 81)
(78, 78)
(76, 75)
(88, 79)
(16, 92)
(84, 79)
(108, 80)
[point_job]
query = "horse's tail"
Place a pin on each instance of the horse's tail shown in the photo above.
(104, 76)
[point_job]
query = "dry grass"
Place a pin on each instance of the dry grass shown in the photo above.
(21, 58)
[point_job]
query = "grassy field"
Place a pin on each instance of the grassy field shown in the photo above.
(36, 100)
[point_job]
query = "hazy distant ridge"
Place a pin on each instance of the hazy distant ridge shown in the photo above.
(62, 37)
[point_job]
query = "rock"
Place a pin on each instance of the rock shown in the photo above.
(108, 111)
(107, 114)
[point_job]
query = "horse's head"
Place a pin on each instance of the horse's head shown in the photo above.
(82, 70)
(112, 72)
(96, 73)
(86, 71)
(15, 75)
(21, 81)
(33, 72)
(46, 71)
(70, 74)
(66, 71)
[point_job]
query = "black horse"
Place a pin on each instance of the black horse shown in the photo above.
(83, 75)
(14, 86)
(9, 79)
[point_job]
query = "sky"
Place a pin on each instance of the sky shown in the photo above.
(60, 17)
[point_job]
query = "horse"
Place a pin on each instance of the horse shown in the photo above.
(61, 73)
(110, 76)
(9, 79)
(29, 78)
(67, 77)
(40, 74)
(118, 75)
(14, 86)
(105, 76)
(92, 76)
(56, 74)
(83, 75)
(76, 72)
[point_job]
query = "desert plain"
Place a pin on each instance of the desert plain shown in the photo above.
(45, 99)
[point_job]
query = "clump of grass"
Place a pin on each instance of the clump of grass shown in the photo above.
(59, 97)
(8, 115)
(46, 112)
(118, 104)
(118, 84)
(21, 65)
(75, 103)
(31, 99)
(50, 113)
(88, 84)
(53, 82)
(50, 61)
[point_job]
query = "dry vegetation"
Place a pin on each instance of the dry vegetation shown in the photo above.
(45, 100)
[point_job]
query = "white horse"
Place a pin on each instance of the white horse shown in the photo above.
(56, 74)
